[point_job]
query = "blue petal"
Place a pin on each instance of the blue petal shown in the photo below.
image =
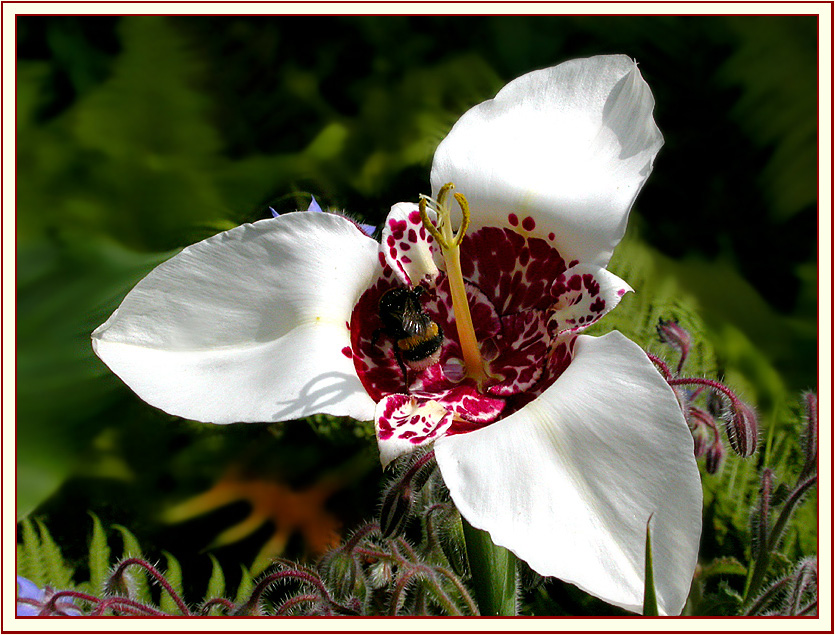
(314, 206)
(28, 589)
(368, 230)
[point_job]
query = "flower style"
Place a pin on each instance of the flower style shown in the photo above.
(558, 444)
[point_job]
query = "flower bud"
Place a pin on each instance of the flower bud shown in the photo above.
(399, 498)
(701, 443)
(394, 512)
(742, 429)
(121, 581)
(674, 335)
(703, 428)
(342, 573)
(715, 404)
(445, 522)
(714, 457)
(381, 574)
(805, 579)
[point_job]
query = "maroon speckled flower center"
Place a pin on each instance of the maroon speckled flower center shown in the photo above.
(510, 280)
(527, 306)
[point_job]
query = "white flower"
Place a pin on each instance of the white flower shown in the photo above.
(559, 445)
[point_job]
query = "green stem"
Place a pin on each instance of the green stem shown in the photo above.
(493, 571)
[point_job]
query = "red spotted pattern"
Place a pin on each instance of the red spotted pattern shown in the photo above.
(527, 307)
(514, 271)
(524, 344)
(407, 247)
(582, 295)
(411, 419)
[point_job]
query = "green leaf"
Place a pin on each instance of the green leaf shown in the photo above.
(28, 562)
(217, 583)
(66, 288)
(59, 573)
(99, 557)
(724, 601)
(650, 601)
(493, 572)
(245, 587)
(174, 575)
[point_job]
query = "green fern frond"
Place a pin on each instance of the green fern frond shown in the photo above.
(174, 575)
(245, 587)
(99, 555)
(39, 558)
(216, 587)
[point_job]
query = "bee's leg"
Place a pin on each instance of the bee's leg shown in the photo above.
(403, 369)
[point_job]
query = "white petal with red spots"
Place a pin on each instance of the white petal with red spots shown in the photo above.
(513, 270)
(407, 247)
(406, 422)
(584, 294)
(524, 345)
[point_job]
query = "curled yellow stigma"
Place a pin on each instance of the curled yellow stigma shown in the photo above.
(449, 241)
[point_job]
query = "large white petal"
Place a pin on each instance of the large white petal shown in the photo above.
(569, 482)
(565, 149)
(249, 325)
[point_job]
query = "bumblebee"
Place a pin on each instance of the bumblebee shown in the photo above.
(417, 338)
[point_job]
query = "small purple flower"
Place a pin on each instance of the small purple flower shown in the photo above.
(31, 600)
(314, 206)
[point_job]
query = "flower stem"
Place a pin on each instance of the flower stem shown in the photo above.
(493, 571)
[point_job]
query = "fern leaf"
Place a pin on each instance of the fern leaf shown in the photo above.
(174, 575)
(245, 587)
(29, 563)
(59, 574)
(99, 557)
(217, 583)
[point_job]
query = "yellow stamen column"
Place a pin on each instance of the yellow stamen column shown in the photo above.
(449, 243)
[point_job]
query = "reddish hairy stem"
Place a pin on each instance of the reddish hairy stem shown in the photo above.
(158, 577)
(701, 381)
(128, 606)
(294, 601)
(661, 364)
(358, 535)
(207, 606)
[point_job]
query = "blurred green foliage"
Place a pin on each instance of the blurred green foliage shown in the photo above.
(140, 135)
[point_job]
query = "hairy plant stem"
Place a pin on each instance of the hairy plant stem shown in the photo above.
(760, 569)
